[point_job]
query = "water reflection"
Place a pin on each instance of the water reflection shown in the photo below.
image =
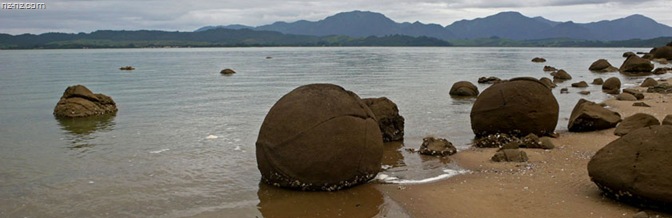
(463, 100)
(392, 156)
(402, 163)
(360, 201)
(81, 130)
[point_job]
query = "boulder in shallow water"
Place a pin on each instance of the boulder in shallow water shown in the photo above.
(582, 84)
(387, 114)
(561, 75)
(538, 60)
(549, 68)
(589, 116)
(598, 81)
(227, 71)
(649, 82)
(662, 70)
(612, 86)
(548, 82)
(636, 167)
(312, 136)
(519, 107)
(436, 147)
(636, 121)
(664, 52)
(635, 65)
(79, 101)
(489, 80)
(464, 89)
(602, 66)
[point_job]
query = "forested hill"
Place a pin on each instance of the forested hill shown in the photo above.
(210, 38)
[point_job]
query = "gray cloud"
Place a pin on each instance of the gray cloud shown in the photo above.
(87, 16)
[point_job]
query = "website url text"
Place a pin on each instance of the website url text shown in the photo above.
(21, 6)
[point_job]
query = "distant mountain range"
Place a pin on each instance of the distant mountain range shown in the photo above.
(507, 25)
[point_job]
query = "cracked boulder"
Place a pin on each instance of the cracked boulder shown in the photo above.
(78, 101)
(319, 137)
(636, 167)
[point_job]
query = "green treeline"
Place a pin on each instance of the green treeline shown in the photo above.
(249, 38)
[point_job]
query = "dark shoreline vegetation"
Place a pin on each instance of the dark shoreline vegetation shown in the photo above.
(255, 38)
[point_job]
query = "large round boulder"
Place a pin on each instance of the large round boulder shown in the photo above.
(602, 65)
(79, 101)
(464, 89)
(612, 85)
(636, 121)
(319, 137)
(636, 167)
(635, 65)
(519, 107)
(589, 116)
(390, 122)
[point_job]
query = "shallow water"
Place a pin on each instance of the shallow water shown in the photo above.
(182, 143)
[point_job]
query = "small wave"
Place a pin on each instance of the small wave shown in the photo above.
(383, 178)
(159, 151)
(212, 137)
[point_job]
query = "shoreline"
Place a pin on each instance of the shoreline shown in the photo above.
(553, 183)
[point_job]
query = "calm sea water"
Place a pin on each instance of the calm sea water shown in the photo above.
(182, 143)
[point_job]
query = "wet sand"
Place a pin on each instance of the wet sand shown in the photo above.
(553, 183)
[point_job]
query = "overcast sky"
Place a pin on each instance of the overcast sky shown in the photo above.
(74, 16)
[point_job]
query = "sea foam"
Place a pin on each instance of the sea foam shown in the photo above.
(384, 178)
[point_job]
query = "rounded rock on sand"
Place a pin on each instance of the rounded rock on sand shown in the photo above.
(311, 136)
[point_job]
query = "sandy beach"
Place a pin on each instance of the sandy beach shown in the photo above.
(553, 183)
